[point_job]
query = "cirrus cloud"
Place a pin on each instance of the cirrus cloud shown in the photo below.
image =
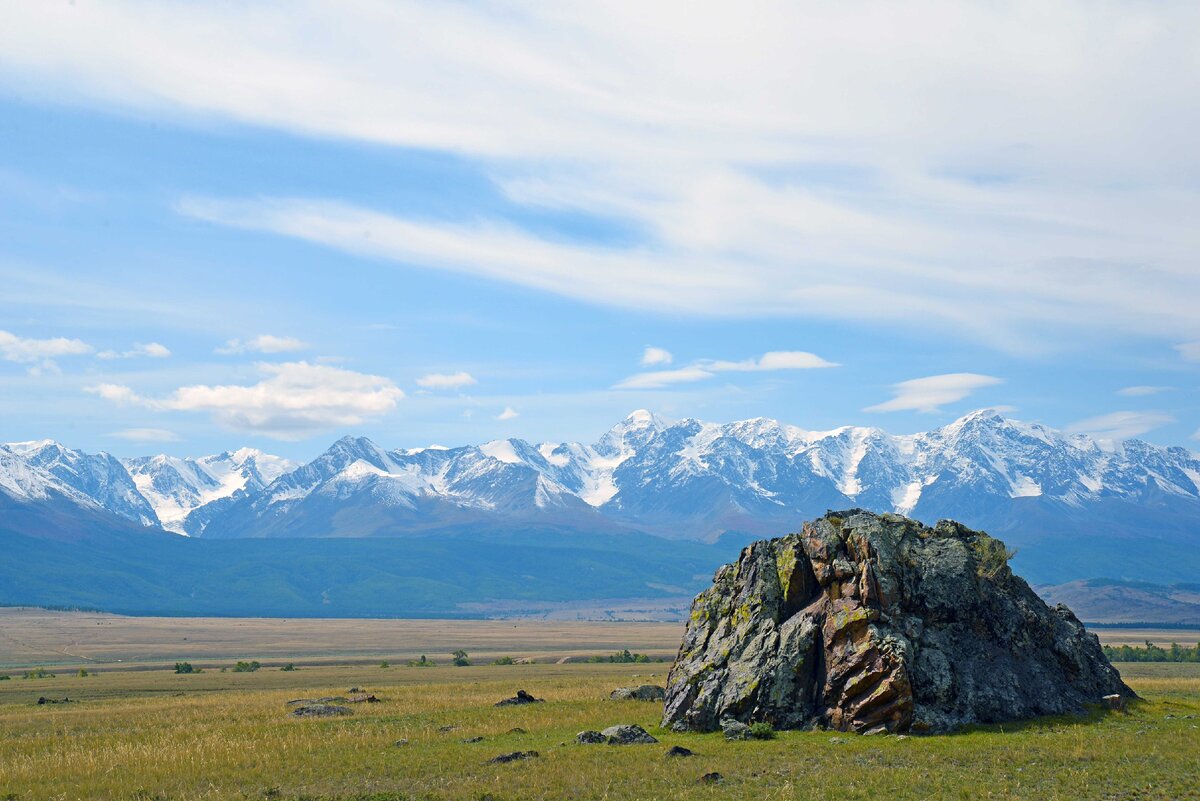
(930, 393)
(1121, 425)
(263, 343)
(1141, 391)
(436, 381)
(707, 368)
(146, 435)
(292, 401)
(153, 350)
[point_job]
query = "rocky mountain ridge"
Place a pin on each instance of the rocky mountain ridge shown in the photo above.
(681, 479)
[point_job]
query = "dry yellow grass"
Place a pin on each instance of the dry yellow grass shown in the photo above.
(35, 636)
(153, 734)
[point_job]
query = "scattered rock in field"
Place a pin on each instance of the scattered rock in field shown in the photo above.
(735, 729)
(712, 778)
(645, 692)
(679, 751)
(838, 740)
(300, 701)
(354, 690)
(627, 734)
(865, 622)
(516, 730)
(332, 699)
(469, 740)
(451, 727)
(403, 741)
(44, 700)
(321, 711)
(589, 737)
(362, 699)
(1115, 702)
(521, 697)
(513, 756)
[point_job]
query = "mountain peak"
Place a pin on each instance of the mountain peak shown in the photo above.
(32, 446)
(643, 418)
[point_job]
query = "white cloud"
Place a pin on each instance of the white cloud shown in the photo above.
(263, 343)
(153, 350)
(292, 401)
(774, 360)
(918, 162)
(1121, 425)
(146, 435)
(930, 393)
(116, 393)
(44, 367)
(1141, 391)
(707, 368)
(509, 413)
(653, 356)
(1189, 351)
(26, 350)
(436, 381)
(658, 379)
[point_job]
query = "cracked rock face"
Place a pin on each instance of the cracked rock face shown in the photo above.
(877, 623)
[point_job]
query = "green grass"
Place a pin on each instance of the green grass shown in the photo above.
(157, 735)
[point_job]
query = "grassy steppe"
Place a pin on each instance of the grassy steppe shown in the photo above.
(152, 734)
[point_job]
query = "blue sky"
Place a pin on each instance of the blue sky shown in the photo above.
(274, 224)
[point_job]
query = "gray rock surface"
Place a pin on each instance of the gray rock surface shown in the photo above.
(877, 623)
(513, 756)
(644, 692)
(519, 699)
(735, 729)
(321, 711)
(625, 734)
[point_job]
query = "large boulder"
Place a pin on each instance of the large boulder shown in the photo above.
(877, 623)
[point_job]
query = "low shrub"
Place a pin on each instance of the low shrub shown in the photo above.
(992, 556)
(761, 731)
(621, 657)
(246, 667)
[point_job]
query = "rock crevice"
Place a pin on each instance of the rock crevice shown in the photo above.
(877, 623)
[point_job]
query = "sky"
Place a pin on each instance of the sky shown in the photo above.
(273, 224)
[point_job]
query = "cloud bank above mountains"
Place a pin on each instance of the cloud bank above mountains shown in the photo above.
(473, 219)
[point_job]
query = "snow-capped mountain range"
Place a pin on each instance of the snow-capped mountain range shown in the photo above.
(681, 479)
(177, 487)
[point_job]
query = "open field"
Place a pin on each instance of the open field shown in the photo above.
(136, 730)
(39, 637)
(156, 735)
